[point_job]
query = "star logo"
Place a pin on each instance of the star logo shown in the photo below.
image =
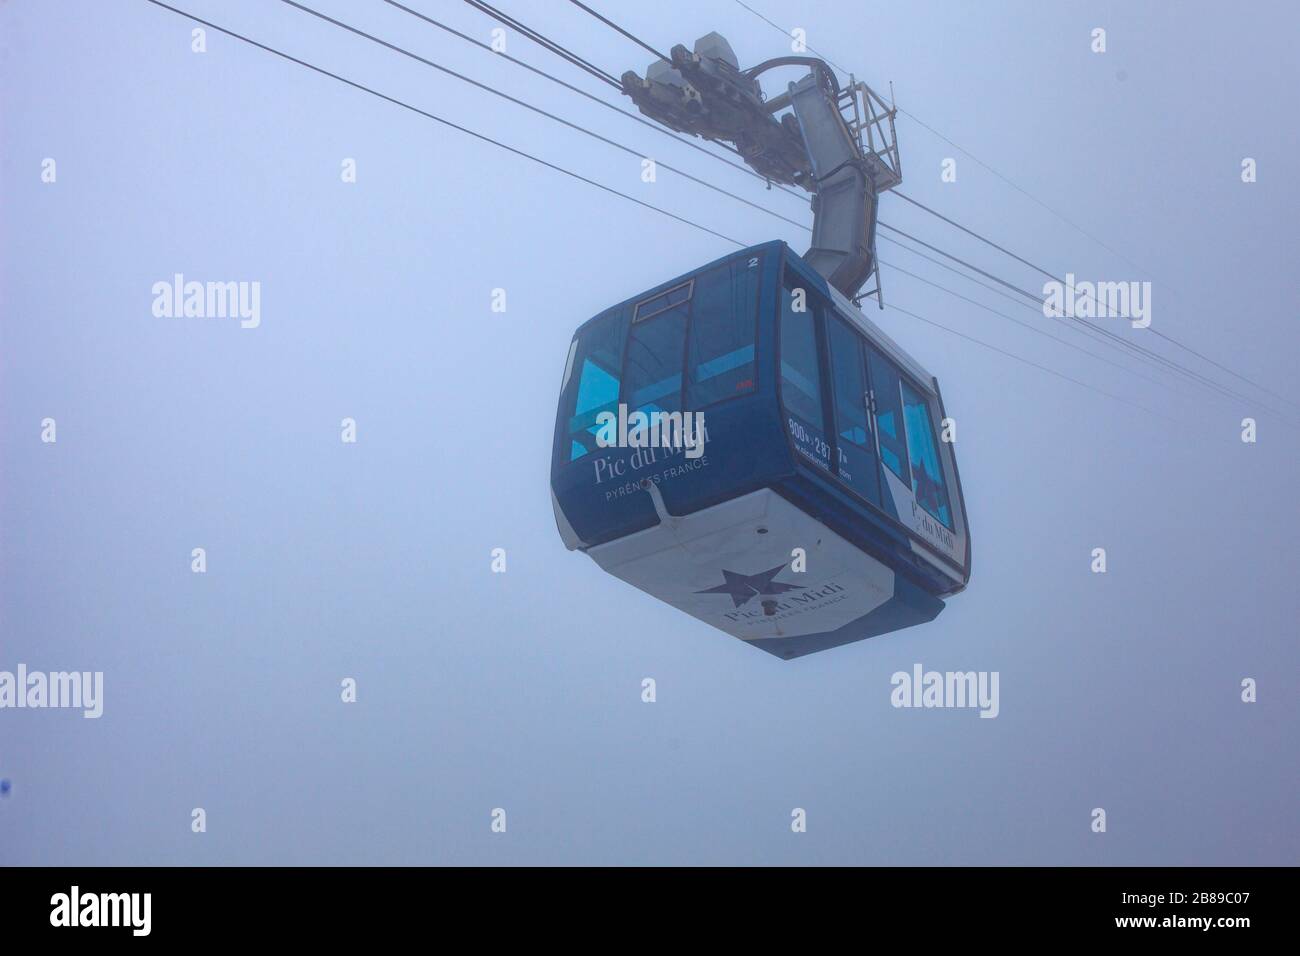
(742, 587)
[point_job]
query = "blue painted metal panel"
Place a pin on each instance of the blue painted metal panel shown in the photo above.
(909, 606)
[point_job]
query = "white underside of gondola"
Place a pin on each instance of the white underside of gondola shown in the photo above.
(681, 557)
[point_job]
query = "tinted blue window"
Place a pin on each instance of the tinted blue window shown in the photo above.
(652, 375)
(927, 471)
(889, 414)
(598, 357)
(724, 315)
(801, 377)
(660, 303)
(856, 451)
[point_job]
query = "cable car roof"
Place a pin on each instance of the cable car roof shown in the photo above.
(843, 304)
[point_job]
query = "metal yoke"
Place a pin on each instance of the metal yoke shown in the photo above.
(818, 145)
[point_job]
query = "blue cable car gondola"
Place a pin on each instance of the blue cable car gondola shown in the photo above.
(823, 506)
(819, 503)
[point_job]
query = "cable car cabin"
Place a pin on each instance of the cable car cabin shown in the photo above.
(822, 507)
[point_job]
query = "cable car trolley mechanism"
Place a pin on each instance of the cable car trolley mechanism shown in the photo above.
(819, 503)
